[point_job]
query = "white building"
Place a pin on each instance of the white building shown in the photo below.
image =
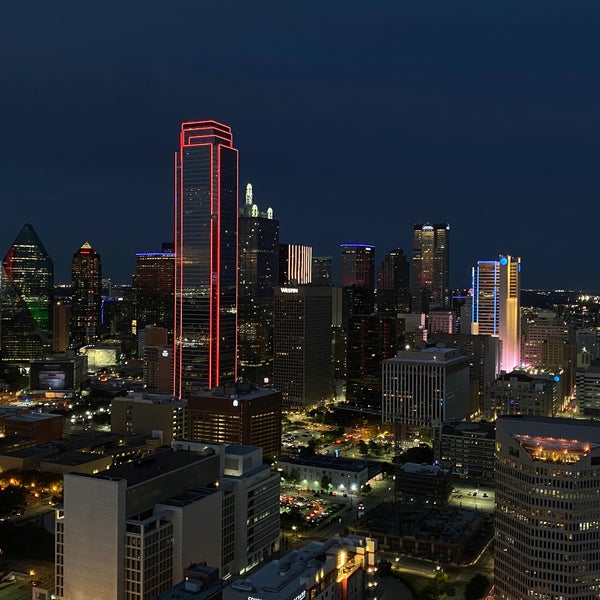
(547, 509)
(425, 388)
(251, 489)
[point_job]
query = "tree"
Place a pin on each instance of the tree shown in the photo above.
(477, 587)
(325, 482)
(385, 568)
(363, 448)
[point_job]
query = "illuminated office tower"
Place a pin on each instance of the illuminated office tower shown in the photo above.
(86, 295)
(357, 278)
(206, 223)
(495, 308)
(26, 293)
(153, 289)
(393, 291)
(258, 275)
(295, 264)
(430, 281)
(302, 365)
(547, 519)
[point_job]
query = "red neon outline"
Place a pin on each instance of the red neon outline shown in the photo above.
(217, 346)
(176, 280)
(237, 258)
(210, 260)
(187, 125)
(191, 138)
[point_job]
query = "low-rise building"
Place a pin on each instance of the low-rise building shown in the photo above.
(423, 483)
(341, 568)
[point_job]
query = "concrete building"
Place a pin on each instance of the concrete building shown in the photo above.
(295, 264)
(200, 583)
(547, 521)
(130, 531)
(467, 450)
(426, 388)
(522, 393)
(40, 427)
(158, 416)
(344, 475)
(342, 568)
(250, 505)
(424, 484)
(587, 390)
(158, 369)
(240, 414)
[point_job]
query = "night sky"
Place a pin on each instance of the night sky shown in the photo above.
(354, 121)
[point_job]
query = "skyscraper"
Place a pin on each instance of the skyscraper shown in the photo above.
(393, 290)
(206, 228)
(26, 292)
(322, 271)
(153, 289)
(430, 281)
(295, 264)
(547, 521)
(86, 295)
(495, 309)
(258, 275)
(357, 278)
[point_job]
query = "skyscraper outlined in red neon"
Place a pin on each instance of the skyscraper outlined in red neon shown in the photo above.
(206, 226)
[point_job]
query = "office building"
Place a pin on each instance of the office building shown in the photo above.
(496, 304)
(61, 326)
(153, 284)
(251, 490)
(117, 319)
(206, 228)
(158, 368)
(129, 532)
(86, 296)
(342, 568)
(587, 390)
(322, 270)
(430, 278)
(547, 519)
(467, 450)
(200, 582)
(241, 414)
(371, 339)
(295, 264)
(157, 416)
(425, 388)
(393, 283)
(424, 484)
(258, 275)
(440, 320)
(26, 292)
(357, 278)
(302, 367)
(522, 393)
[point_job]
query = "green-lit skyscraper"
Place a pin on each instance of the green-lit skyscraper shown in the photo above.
(26, 290)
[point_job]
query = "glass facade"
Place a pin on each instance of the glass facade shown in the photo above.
(206, 216)
(26, 293)
(153, 289)
(430, 281)
(86, 296)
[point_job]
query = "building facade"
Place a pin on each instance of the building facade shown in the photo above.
(430, 278)
(302, 363)
(86, 296)
(547, 520)
(425, 388)
(206, 228)
(295, 264)
(26, 292)
(258, 276)
(496, 303)
(393, 283)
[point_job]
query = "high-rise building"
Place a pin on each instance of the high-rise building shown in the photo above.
(86, 296)
(357, 278)
(425, 388)
(206, 228)
(302, 367)
(61, 326)
(430, 281)
(258, 275)
(237, 414)
(371, 339)
(547, 520)
(393, 289)
(26, 296)
(322, 270)
(495, 308)
(153, 285)
(295, 264)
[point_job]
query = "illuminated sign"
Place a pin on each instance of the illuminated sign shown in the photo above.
(289, 291)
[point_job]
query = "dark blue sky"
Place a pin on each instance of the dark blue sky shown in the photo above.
(353, 120)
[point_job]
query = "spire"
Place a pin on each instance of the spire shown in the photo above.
(249, 194)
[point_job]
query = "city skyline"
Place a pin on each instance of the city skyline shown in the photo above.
(480, 115)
